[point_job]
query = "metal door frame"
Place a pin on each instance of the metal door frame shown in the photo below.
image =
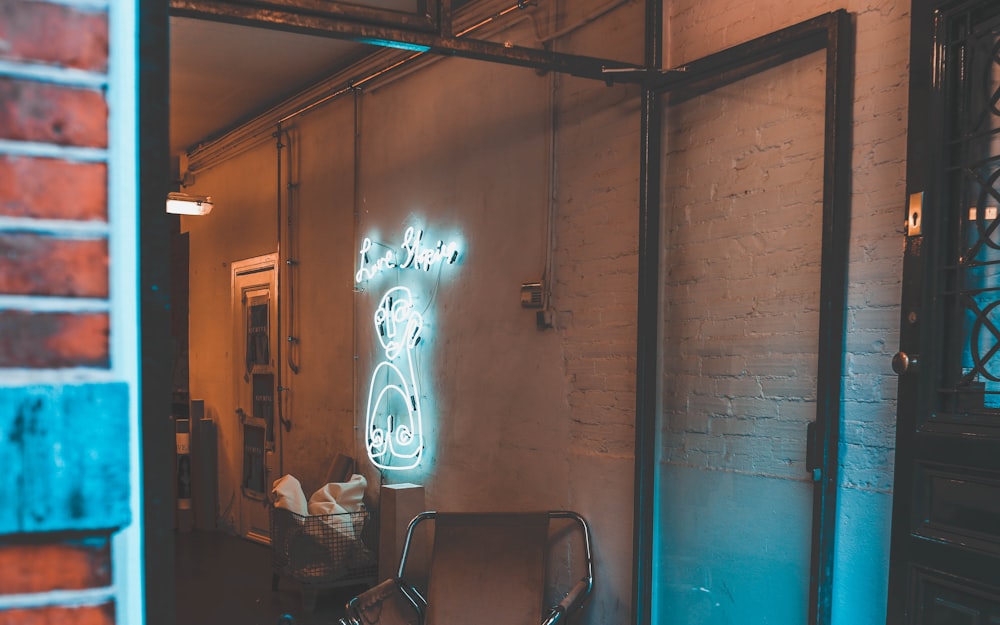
(434, 34)
(834, 33)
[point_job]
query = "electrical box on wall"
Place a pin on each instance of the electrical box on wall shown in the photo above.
(531, 295)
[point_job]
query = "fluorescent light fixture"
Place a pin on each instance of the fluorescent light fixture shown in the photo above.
(186, 204)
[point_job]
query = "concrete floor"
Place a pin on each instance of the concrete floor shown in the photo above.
(226, 579)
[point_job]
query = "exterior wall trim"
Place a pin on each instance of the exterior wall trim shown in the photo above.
(51, 150)
(62, 598)
(41, 72)
(37, 303)
(60, 228)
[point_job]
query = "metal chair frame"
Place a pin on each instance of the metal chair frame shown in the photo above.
(572, 601)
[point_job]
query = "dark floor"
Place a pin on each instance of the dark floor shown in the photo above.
(226, 579)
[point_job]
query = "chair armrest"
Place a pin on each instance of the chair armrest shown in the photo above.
(393, 602)
(570, 603)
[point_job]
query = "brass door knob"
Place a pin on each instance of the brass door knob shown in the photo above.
(905, 363)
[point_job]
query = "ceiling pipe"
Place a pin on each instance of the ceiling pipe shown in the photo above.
(210, 153)
(333, 24)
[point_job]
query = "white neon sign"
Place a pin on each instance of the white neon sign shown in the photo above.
(394, 430)
(415, 255)
(394, 423)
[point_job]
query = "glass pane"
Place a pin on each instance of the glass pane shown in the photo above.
(971, 378)
(254, 476)
(258, 337)
(263, 403)
(743, 231)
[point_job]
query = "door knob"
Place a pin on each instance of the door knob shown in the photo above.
(905, 363)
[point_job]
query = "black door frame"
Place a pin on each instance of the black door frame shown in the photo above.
(156, 357)
(926, 442)
(918, 155)
(834, 33)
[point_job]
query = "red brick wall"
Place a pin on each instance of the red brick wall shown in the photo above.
(35, 111)
(54, 291)
(37, 568)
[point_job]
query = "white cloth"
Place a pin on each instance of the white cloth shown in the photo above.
(286, 492)
(339, 497)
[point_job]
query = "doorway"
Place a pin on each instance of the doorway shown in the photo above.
(255, 307)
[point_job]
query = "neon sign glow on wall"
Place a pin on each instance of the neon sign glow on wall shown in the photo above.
(415, 256)
(394, 423)
(394, 429)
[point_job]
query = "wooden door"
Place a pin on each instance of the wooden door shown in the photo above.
(255, 314)
(945, 563)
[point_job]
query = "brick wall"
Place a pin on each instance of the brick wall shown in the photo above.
(63, 422)
(741, 321)
(696, 28)
(594, 290)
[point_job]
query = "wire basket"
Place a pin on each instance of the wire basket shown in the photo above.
(327, 550)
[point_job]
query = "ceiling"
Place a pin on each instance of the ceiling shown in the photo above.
(222, 74)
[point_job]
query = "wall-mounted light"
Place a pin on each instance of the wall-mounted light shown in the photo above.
(186, 204)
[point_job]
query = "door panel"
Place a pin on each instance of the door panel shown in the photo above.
(943, 600)
(254, 312)
(945, 564)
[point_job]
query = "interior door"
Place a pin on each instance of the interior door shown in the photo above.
(255, 342)
(945, 563)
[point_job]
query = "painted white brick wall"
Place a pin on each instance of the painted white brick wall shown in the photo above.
(595, 277)
(741, 273)
(698, 27)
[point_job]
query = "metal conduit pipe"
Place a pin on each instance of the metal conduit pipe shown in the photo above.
(357, 84)
(548, 272)
(356, 221)
(237, 140)
(562, 32)
(544, 40)
(279, 398)
(291, 263)
(587, 19)
(356, 137)
(206, 155)
(282, 424)
(647, 326)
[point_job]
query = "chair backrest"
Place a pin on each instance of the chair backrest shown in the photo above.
(487, 569)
